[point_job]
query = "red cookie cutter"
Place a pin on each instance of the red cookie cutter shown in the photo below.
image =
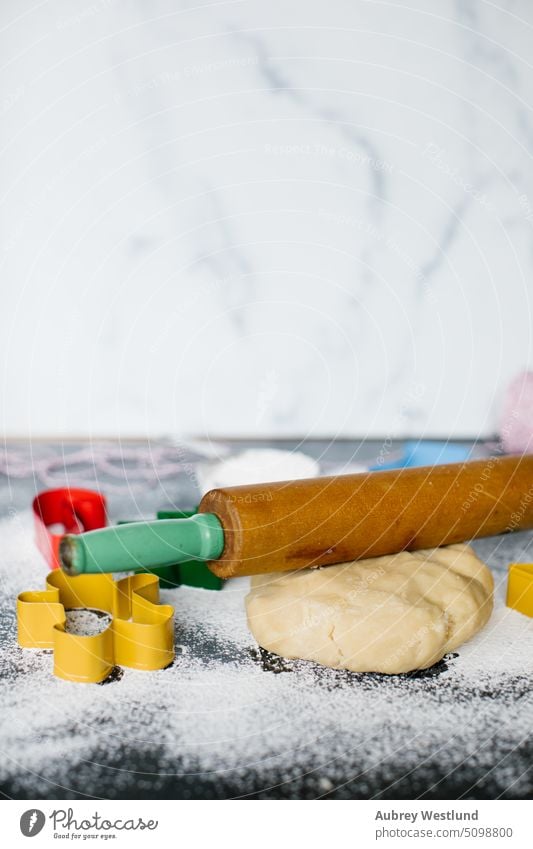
(77, 510)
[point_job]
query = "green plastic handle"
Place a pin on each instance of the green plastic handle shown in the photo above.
(142, 545)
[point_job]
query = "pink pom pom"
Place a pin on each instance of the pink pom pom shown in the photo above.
(516, 428)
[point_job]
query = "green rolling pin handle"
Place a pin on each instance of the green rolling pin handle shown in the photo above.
(164, 542)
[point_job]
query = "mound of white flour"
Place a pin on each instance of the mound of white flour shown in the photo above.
(257, 465)
(221, 719)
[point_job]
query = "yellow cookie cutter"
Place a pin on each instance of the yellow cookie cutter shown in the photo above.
(520, 588)
(141, 633)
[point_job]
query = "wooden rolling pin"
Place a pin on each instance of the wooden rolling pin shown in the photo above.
(245, 530)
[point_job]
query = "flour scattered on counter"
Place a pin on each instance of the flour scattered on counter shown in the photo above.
(246, 721)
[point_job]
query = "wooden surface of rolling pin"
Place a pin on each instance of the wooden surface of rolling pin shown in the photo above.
(291, 525)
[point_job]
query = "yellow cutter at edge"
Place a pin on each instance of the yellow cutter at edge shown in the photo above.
(141, 633)
(520, 588)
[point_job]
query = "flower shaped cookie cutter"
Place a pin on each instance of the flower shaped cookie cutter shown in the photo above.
(140, 635)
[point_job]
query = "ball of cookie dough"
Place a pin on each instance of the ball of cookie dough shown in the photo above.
(386, 614)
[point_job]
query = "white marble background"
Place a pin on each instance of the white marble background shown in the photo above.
(280, 217)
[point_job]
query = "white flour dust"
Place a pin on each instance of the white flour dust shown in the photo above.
(242, 723)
